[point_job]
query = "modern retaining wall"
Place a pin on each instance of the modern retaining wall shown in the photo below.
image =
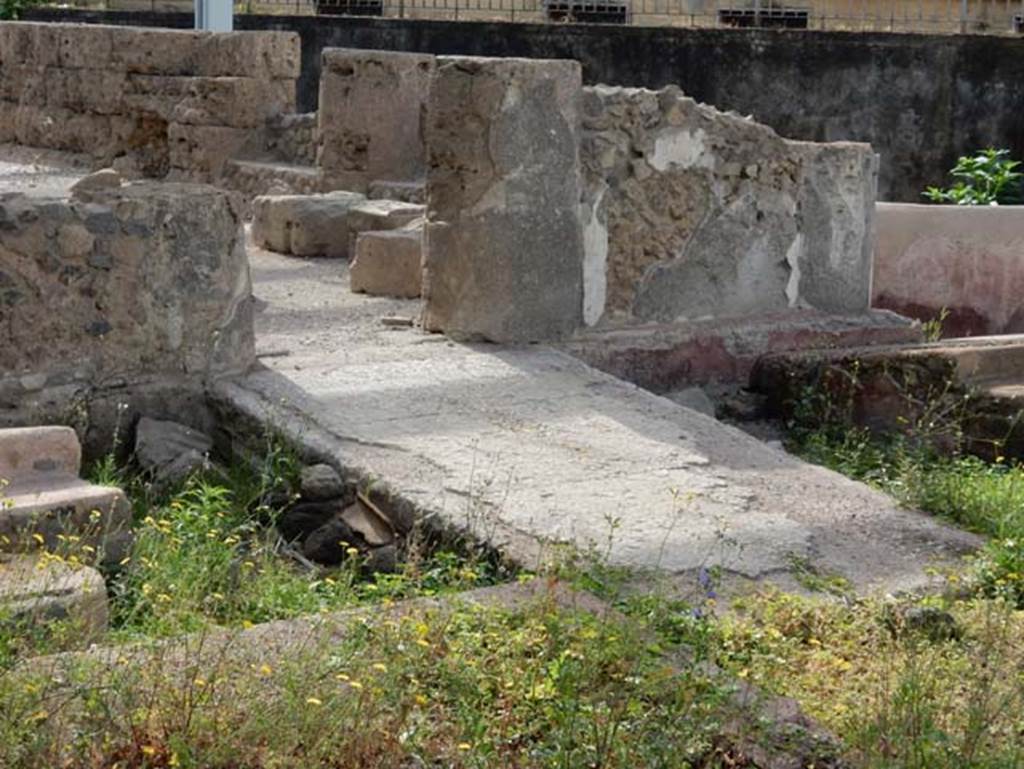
(920, 100)
(968, 260)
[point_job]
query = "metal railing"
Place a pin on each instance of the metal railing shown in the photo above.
(934, 16)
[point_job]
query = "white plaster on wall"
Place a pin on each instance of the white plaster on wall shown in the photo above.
(680, 147)
(595, 261)
(793, 255)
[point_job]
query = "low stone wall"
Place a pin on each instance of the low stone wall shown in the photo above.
(966, 260)
(691, 213)
(120, 290)
(149, 101)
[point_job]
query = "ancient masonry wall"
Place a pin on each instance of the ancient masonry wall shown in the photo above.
(689, 213)
(372, 115)
(118, 290)
(147, 101)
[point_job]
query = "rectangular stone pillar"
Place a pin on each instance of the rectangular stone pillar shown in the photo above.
(503, 248)
(372, 107)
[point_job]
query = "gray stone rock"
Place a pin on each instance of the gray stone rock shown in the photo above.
(365, 522)
(300, 520)
(330, 543)
(36, 593)
(105, 178)
(168, 451)
(931, 622)
(503, 248)
(320, 482)
(382, 559)
(694, 398)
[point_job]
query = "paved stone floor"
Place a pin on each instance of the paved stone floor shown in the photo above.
(530, 447)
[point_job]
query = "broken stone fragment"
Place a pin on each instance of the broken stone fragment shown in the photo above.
(370, 526)
(320, 482)
(168, 451)
(104, 179)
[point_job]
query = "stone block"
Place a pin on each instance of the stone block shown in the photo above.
(503, 243)
(199, 152)
(407, 192)
(262, 55)
(89, 46)
(242, 102)
(372, 106)
(85, 90)
(40, 591)
(29, 43)
(388, 263)
(305, 225)
(33, 451)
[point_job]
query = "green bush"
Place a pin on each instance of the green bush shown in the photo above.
(987, 178)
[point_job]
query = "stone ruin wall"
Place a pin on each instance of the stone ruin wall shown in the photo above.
(690, 213)
(120, 294)
(149, 102)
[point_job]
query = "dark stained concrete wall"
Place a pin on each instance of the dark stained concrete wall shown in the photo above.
(920, 100)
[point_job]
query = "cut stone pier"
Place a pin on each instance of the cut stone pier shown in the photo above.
(372, 106)
(531, 447)
(503, 249)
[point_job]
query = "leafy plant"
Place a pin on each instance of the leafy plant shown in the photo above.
(10, 10)
(986, 178)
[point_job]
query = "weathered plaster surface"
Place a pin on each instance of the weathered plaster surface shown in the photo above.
(698, 213)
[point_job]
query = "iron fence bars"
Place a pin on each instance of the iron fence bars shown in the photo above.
(926, 16)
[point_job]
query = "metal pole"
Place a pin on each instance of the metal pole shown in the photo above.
(214, 15)
(963, 16)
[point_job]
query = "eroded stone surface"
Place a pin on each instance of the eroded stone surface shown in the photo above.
(503, 248)
(689, 213)
(372, 106)
(304, 225)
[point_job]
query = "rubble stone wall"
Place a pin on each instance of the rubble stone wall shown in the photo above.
(142, 285)
(691, 213)
(145, 100)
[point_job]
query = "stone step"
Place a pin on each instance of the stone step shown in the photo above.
(667, 357)
(388, 263)
(43, 502)
(33, 451)
(269, 177)
(37, 590)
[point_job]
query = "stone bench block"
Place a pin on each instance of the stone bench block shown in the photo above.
(304, 225)
(388, 263)
(503, 245)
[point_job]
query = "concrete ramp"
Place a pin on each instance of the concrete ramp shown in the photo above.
(530, 447)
